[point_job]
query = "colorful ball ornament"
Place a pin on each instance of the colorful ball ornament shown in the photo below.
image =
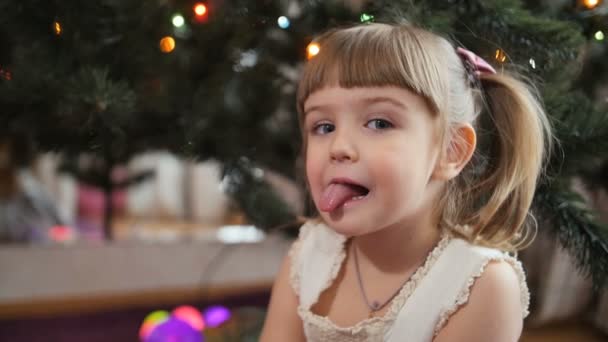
(191, 316)
(62, 234)
(174, 329)
(216, 315)
(152, 320)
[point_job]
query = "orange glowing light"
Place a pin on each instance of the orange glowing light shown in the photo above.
(57, 27)
(167, 44)
(500, 56)
(591, 4)
(5, 74)
(200, 9)
(312, 50)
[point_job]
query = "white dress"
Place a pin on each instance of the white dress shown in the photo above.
(424, 304)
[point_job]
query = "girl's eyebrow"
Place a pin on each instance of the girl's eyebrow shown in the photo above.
(365, 101)
(372, 100)
(313, 108)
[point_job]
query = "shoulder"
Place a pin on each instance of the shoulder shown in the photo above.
(493, 311)
(282, 320)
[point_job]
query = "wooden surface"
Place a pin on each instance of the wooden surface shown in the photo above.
(563, 332)
(43, 308)
(40, 281)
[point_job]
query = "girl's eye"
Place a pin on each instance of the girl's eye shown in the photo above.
(323, 128)
(379, 124)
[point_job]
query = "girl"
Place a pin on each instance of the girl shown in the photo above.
(422, 162)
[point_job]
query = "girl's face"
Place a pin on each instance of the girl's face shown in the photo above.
(370, 156)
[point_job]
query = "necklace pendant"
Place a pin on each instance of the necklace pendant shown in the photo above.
(375, 306)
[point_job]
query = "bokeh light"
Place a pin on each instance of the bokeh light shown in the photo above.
(167, 44)
(5, 74)
(500, 56)
(312, 50)
(591, 4)
(599, 35)
(283, 22)
(200, 9)
(57, 27)
(178, 20)
(201, 12)
(366, 18)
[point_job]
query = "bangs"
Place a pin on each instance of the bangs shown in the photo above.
(376, 55)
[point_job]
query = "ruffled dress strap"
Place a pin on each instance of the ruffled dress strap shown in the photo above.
(446, 288)
(316, 258)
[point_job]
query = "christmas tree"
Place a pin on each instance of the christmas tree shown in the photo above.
(216, 79)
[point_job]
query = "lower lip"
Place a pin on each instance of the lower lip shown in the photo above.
(355, 201)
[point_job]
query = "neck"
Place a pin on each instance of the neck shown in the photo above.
(400, 247)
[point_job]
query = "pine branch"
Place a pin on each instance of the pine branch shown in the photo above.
(245, 183)
(581, 131)
(572, 224)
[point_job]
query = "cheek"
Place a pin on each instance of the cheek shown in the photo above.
(313, 172)
(404, 176)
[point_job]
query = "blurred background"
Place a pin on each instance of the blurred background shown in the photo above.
(150, 180)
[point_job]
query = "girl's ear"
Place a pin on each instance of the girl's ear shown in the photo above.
(457, 154)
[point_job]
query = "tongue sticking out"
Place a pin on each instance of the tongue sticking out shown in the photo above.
(335, 195)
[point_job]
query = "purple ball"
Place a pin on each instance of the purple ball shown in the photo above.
(175, 330)
(216, 315)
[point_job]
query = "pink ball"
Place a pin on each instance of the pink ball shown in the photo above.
(190, 315)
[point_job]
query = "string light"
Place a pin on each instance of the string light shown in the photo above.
(167, 44)
(57, 27)
(200, 11)
(283, 22)
(312, 50)
(366, 18)
(5, 74)
(500, 56)
(599, 35)
(591, 4)
(178, 20)
(532, 63)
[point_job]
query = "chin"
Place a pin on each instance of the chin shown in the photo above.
(347, 226)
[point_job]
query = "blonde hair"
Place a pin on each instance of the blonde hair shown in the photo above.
(493, 194)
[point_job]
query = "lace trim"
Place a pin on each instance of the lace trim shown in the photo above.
(294, 256)
(377, 321)
(463, 296)
(294, 275)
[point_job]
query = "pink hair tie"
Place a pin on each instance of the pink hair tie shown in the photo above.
(478, 64)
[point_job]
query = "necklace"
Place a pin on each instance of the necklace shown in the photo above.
(374, 306)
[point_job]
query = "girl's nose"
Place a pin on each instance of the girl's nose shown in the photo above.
(343, 148)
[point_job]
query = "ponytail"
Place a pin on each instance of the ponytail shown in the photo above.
(494, 193)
